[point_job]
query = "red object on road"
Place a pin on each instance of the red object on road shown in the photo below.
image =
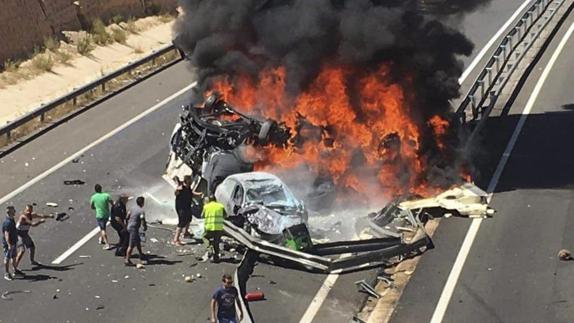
(254, 296)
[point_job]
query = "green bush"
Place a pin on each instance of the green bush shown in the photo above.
(99, 33)
(119, 35)
(84, 45)
(64, 57)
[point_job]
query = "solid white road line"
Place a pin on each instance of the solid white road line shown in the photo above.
(319, 298)
(323, 291)
(486, 47)
(76, 246)
(43, 175)
(450, 285)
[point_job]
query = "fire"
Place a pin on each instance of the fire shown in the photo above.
(353, 125)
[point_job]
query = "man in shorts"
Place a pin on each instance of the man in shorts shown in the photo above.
(225, 298)
(101, 202)
(183, 201)
(136, 219)
(23, 225)
(9, 242)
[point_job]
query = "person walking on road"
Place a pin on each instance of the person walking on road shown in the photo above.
(213, 215)
(136, 219)
(25, 222)
(118, 222)
(225, 299)
(9, 242)
(101, 202)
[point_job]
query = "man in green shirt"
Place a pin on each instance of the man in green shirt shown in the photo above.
(101, 202)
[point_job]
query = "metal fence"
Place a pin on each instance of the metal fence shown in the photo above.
(482, 95)
(46, 113)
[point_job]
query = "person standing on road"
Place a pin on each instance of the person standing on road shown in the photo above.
(101, 202)
(9, 242)
(225, 299)
(213, 215)
(25, 222)
(183, 200)
(118, 222)
(136, 219)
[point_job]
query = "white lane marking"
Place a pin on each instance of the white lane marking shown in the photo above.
(93, 144)
(319, 298)
(448, 290)
(486, 47)
(76, 246)
(331, 279)
(38, 178)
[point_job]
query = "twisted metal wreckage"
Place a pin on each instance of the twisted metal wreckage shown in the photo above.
(208, 141)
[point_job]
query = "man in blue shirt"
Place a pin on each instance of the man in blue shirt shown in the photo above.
(9, 242)
(224, 299)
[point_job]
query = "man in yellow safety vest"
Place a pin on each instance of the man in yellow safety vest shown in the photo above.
(213, 214)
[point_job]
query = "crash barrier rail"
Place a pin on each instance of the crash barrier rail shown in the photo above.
(242, 274)
(505, 60)
(379, 251)
(31, 121)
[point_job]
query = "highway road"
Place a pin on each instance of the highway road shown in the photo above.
(512, 273)
(122, 144)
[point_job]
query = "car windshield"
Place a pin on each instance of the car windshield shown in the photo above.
(270, 194)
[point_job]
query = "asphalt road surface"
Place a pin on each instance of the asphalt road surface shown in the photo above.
(91, 285)
(512, 273)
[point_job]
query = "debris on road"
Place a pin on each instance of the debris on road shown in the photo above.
(6, 295)
(154, 240)
(52, 204)
(85, 256)
(254, 296)
(140, 266)
(565, 254)
(188, 279)
(74, 182)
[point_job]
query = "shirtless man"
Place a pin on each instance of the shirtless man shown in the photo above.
(25, 222)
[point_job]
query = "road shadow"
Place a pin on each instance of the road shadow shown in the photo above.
(542, 157)
(55, 268)
(160, 260)
(36, 277)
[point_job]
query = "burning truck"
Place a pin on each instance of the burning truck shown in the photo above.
(210, 142)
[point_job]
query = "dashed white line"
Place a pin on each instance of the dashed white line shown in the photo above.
(76, 246)
(319, 298)
(450, 285)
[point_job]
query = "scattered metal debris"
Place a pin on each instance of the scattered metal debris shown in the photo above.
(52, 204)
(364, 287)
(74, 182)
(564, 255)
(6, 295)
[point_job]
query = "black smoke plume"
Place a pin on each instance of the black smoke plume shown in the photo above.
(232, 37)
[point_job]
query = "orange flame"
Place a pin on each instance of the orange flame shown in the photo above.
(359, 126)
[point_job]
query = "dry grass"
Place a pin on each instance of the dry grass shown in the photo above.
(119, 35)
(43, 62)
(11, 66)
(131, 26)
(64, 57)
(51, 44)
(166, 17)
(84, 45)
(99, 33)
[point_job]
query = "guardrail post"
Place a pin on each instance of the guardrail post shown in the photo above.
(103, 86)
(489, 72)
(42, 117)
(497, 60)
(473, 107)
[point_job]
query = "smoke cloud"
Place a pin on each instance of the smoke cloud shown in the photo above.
(244, 37)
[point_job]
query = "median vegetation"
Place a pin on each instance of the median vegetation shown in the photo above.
(62, 51)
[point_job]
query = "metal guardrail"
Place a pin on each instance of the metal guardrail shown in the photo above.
(504, 61)
(363, 253)
(41, 112)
